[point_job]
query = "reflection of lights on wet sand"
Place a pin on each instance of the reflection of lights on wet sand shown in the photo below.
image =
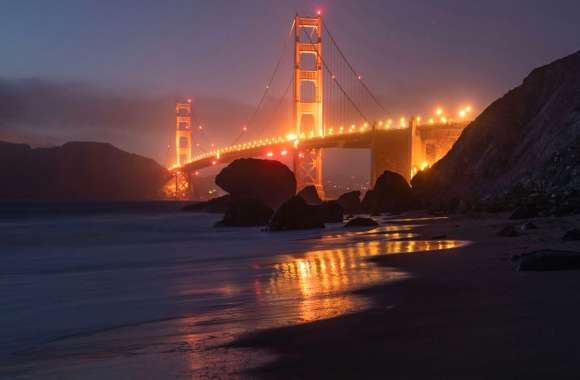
(322, 279)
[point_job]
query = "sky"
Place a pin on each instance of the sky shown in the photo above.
(131, 59)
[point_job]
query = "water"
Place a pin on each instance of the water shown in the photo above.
(114, 290)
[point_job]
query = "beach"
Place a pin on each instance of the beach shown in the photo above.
(427, 296)
(463, 313)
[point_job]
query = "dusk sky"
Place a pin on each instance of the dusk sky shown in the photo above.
(414, 54)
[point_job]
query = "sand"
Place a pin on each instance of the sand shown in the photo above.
(464, 313)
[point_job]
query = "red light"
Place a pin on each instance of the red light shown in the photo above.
(269, 154)
(214, 162)
(200, 127)
(189, 100)
(244, 128)
(196, 173)
(319, 12)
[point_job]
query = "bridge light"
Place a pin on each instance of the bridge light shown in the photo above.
(468, 108)
(444, 120)
(301, 155)
(296, 142)
(380, 123)
(214, 162)
(196, 172)
(431, 121)
(462, 114)
(330, 131)
(269, 154)
(284, 152)
(291, 136)
(333, 76)
(244, 128)
(359, 77)
(318, 12)
(200, 127)
(439, 111)
(189, 100)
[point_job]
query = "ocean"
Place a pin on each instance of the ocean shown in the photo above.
(93, 290)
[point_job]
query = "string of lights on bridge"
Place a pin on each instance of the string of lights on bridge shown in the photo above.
(439, 118)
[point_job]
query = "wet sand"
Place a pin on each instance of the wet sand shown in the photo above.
(463, 313)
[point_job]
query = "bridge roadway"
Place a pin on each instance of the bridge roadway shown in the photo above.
(401, 149)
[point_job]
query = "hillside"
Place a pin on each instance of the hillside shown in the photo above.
(77, 171)
(525, 144)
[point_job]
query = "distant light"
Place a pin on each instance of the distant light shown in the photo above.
(284, 152)
(244, 128)
(214, 162)
(468, 108)
(196, 173)
(359, 77)
(438, 112)
(291, 136)
(189, 100)
(200, 127)
(319, 12)
(462, 113)
(269, 154)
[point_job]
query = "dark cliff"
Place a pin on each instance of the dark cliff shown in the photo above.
(527, 142)
(77, 171)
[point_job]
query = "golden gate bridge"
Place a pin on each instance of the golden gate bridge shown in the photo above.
(332, 107)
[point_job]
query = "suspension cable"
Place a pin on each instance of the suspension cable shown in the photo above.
(337, 82)
(375, 99)
(270, 80)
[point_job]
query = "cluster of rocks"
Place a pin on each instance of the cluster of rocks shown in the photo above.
(263, 192)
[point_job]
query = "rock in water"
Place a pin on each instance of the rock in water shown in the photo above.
(331, 212)
(508, 231)
(572, 235)
(391, 193)
(547, 260)
(350, 202)
(295, 214)
(310, 195)
(216, 205)
(269, 181)
(524, 143)
(246, 212)
(525, 212)
(361, 222)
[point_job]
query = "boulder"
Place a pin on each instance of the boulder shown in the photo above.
(528, 226)
(391, 193)
(528, 211)
(547, 260)
(350, 202)
(508, 231)
(572, 235)
(266, 180)
(310, 195)
(331, 212)
(216, 205)
(361, 222)
(246, 212)
(296, 214)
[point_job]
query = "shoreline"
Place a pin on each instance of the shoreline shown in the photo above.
(464, 313)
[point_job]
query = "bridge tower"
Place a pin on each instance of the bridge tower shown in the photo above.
(308, 93)
(183, 136)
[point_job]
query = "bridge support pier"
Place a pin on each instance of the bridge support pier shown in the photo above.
(392, 151)
(308, 170)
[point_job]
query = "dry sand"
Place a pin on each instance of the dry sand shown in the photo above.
(464, 314)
